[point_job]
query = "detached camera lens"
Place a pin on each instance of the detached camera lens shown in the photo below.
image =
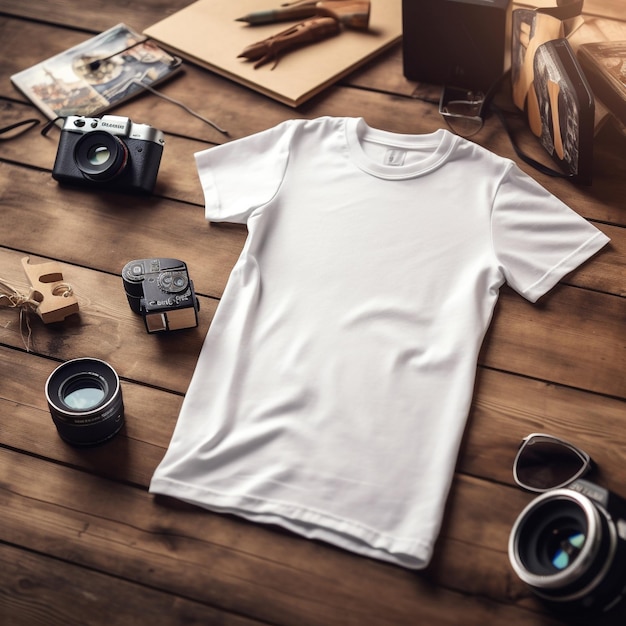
(100, 155)
(85, 401)
(83, 392)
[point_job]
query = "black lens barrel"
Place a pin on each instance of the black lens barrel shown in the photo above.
(85, 401)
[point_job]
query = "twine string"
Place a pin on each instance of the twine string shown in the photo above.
(11, 298)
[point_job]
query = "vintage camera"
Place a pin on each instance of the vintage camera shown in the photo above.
(161, 291)
(569, 546)
(111, 152)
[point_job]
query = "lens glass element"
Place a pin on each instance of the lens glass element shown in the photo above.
(85, 401)
(98, 155)
(83, 393)
(565, 547)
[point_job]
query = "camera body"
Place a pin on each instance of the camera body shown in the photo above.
(111, 152)
(162, 291)
(569, 546)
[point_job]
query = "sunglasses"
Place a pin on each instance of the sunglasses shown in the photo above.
(463, 110)
(544, 462)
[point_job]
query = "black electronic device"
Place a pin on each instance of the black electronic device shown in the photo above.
(111, 152)
(463, 43)
(162, 291)
(569, 546)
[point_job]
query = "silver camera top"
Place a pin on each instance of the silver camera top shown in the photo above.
(114, 125)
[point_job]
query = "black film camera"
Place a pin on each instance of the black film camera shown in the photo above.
(161, 291)
(569, 546)
(110, 152)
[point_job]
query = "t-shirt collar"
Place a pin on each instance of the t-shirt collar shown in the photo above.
(437, 145)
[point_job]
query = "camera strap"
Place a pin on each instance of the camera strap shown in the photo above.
(24, 126)
(51, 123)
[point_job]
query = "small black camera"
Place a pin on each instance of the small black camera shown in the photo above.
(110, 151)
(569, 546)
(161, 291)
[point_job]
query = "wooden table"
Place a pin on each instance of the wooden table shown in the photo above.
(82, 541)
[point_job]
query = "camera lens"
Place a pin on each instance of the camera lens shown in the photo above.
(173, 282)
(83, 392)
(85, 401)
(100, 155)
(563, 546)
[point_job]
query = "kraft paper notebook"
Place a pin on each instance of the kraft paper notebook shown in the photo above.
(207, 33)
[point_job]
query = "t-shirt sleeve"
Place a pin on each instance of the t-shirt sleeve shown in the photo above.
(240, 176)
(537, 238)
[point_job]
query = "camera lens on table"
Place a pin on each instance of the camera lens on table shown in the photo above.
(85, 400)
(570, 550)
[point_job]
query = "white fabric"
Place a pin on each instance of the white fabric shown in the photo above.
(332, 391)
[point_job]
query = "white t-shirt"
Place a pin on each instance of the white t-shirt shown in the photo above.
(332, 390)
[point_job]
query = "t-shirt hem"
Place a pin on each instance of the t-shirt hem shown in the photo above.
(309, 523)
(565, 266)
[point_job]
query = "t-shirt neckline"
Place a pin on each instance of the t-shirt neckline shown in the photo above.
(441, 142)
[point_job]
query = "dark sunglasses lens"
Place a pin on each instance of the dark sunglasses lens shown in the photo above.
(543, 465)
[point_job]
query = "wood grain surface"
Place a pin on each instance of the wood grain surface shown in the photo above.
(81, 540)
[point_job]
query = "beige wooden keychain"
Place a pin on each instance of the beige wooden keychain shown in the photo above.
(55, 299)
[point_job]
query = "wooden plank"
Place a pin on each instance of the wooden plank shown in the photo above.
(105, 230)
(178, 177)
(74, 521)
(243, 112)
(576, 332)
(240, 567)
(39, 591)
(98, 15)
(487, 451)
(505, 409)
(106, 328)
(136, 231)
(541, 340)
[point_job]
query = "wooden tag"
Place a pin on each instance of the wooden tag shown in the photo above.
(55, 298)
